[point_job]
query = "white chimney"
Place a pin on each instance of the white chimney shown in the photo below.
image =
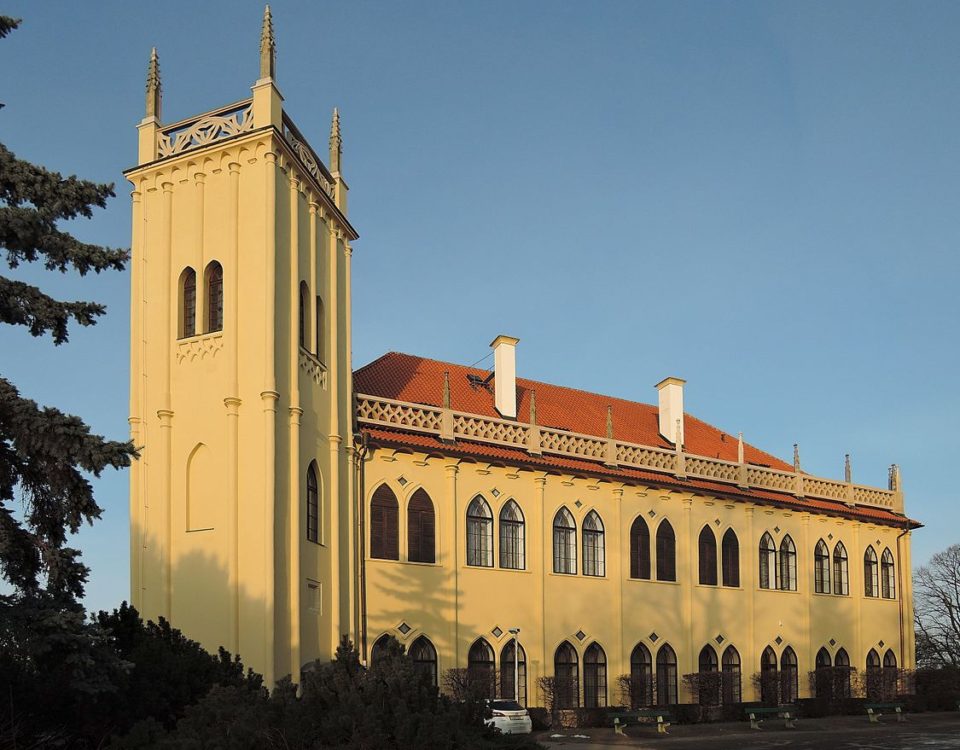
(505, 375)
(671, 408)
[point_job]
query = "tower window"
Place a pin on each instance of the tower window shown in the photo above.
(313, 505)
(214, 278)
(304, 292)
(188, 303)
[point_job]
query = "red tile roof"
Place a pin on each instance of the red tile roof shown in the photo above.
(404, 377)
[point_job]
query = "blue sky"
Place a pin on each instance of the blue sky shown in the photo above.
(757, 197)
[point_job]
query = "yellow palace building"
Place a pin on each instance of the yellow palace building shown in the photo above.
(284, 499)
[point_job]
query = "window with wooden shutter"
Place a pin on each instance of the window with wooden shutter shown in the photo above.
(707, 548)
(421, 525)
(384, 523)
(666, 552)
(730, 558)
(639, 549)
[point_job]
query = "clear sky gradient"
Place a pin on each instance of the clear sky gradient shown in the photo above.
(758, 197)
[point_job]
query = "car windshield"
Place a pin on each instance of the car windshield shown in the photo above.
(505, 706)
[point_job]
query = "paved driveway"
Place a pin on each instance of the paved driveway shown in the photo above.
(923, 731)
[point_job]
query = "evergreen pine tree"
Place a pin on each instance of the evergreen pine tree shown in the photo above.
(46, 455)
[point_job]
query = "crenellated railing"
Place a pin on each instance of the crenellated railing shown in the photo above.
(307, 156)
(202, 130)
(452, 425)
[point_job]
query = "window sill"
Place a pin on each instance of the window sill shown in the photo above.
(391, 561)
(652, 580)
(717, 587)
(779, 591)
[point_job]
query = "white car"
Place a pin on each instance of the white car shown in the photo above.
(509, 717)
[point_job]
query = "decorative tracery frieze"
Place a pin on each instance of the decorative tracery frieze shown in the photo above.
(306, 156)
(314, 368)
(538, 440)
(205, 129)
(199, 347)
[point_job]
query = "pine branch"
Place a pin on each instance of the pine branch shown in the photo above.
(25, 305)
(8, 24)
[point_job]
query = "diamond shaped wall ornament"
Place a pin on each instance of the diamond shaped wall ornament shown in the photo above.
(402, 480)
(404, 628)
(654, 637)
(652, 513)
(778, 640)
(497, 632)
(578, 504)
(776, 529)
(580, 635)
(719, 639)
(495, 492)
(716, 521)
(830, 536)
(833, 642)
(880, 644)
(878, 542)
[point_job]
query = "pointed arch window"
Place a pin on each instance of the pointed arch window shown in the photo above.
(313, 504)
(788, 565)
(821, 568)
(593, 549)
(384, 524)
(842, 674)
(379, 649)
(707, 546)
(888, 585)
(874, 676)
(666, 552)
(304, 296)
(639, 549)
(594, 677)
(769, 677)
(188, 303)
(841, 576)
(481, 668)
(731, 676)
(768, 562)
(730, 559)
(789, 676)
(507, 668)
(641, 677)
(871, 573)
(823, 675)
(512, 541)
(708, 677)
(479, 533)
(214, 298)
(318, 331)
(890, 675)
(564, 542)
(666, 676)
(424, 657)
(566, 672)
(421, 528)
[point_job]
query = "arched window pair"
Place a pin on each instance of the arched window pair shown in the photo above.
(778, 687)
(213, 300)
(565, 544)
(714, 685)
(821, 569)
(480, 535)
(730, 558)
(642, 676)
(313, 504)
(778, 569)
(422, 652)
(873, 583)
(832, 681)
(566, 670)
(640, 551)
(318, 321)
(384, 526)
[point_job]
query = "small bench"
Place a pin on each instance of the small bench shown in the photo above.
(875, 711)
(788, 713)
(661, 715)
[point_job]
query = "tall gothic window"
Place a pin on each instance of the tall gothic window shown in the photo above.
(594, 677)
(421, 529)
(379, 649)
(841, 663)
(593, 551)
(214, 299)
(564, 542)
(821, 568)
(479, 533)
(319, 329)
(708, 687)
(512, 552)
(188, 303)
(304, 296)
(768, 677)
(707, 547)
(666, 676)
(890, 675)
(789, 676)
(641, 677)
(313, 504)
(481, 668)
(888, 586)
(874, 676)
(424, 657)
(788, 565)
(566, 672)
(871, 575)
(507, 668)
(841, 578)
(639, 549)
(731, 675)
(730, 559)
(823, 675)
(666, 552)
(384, 522)
(768, 562)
